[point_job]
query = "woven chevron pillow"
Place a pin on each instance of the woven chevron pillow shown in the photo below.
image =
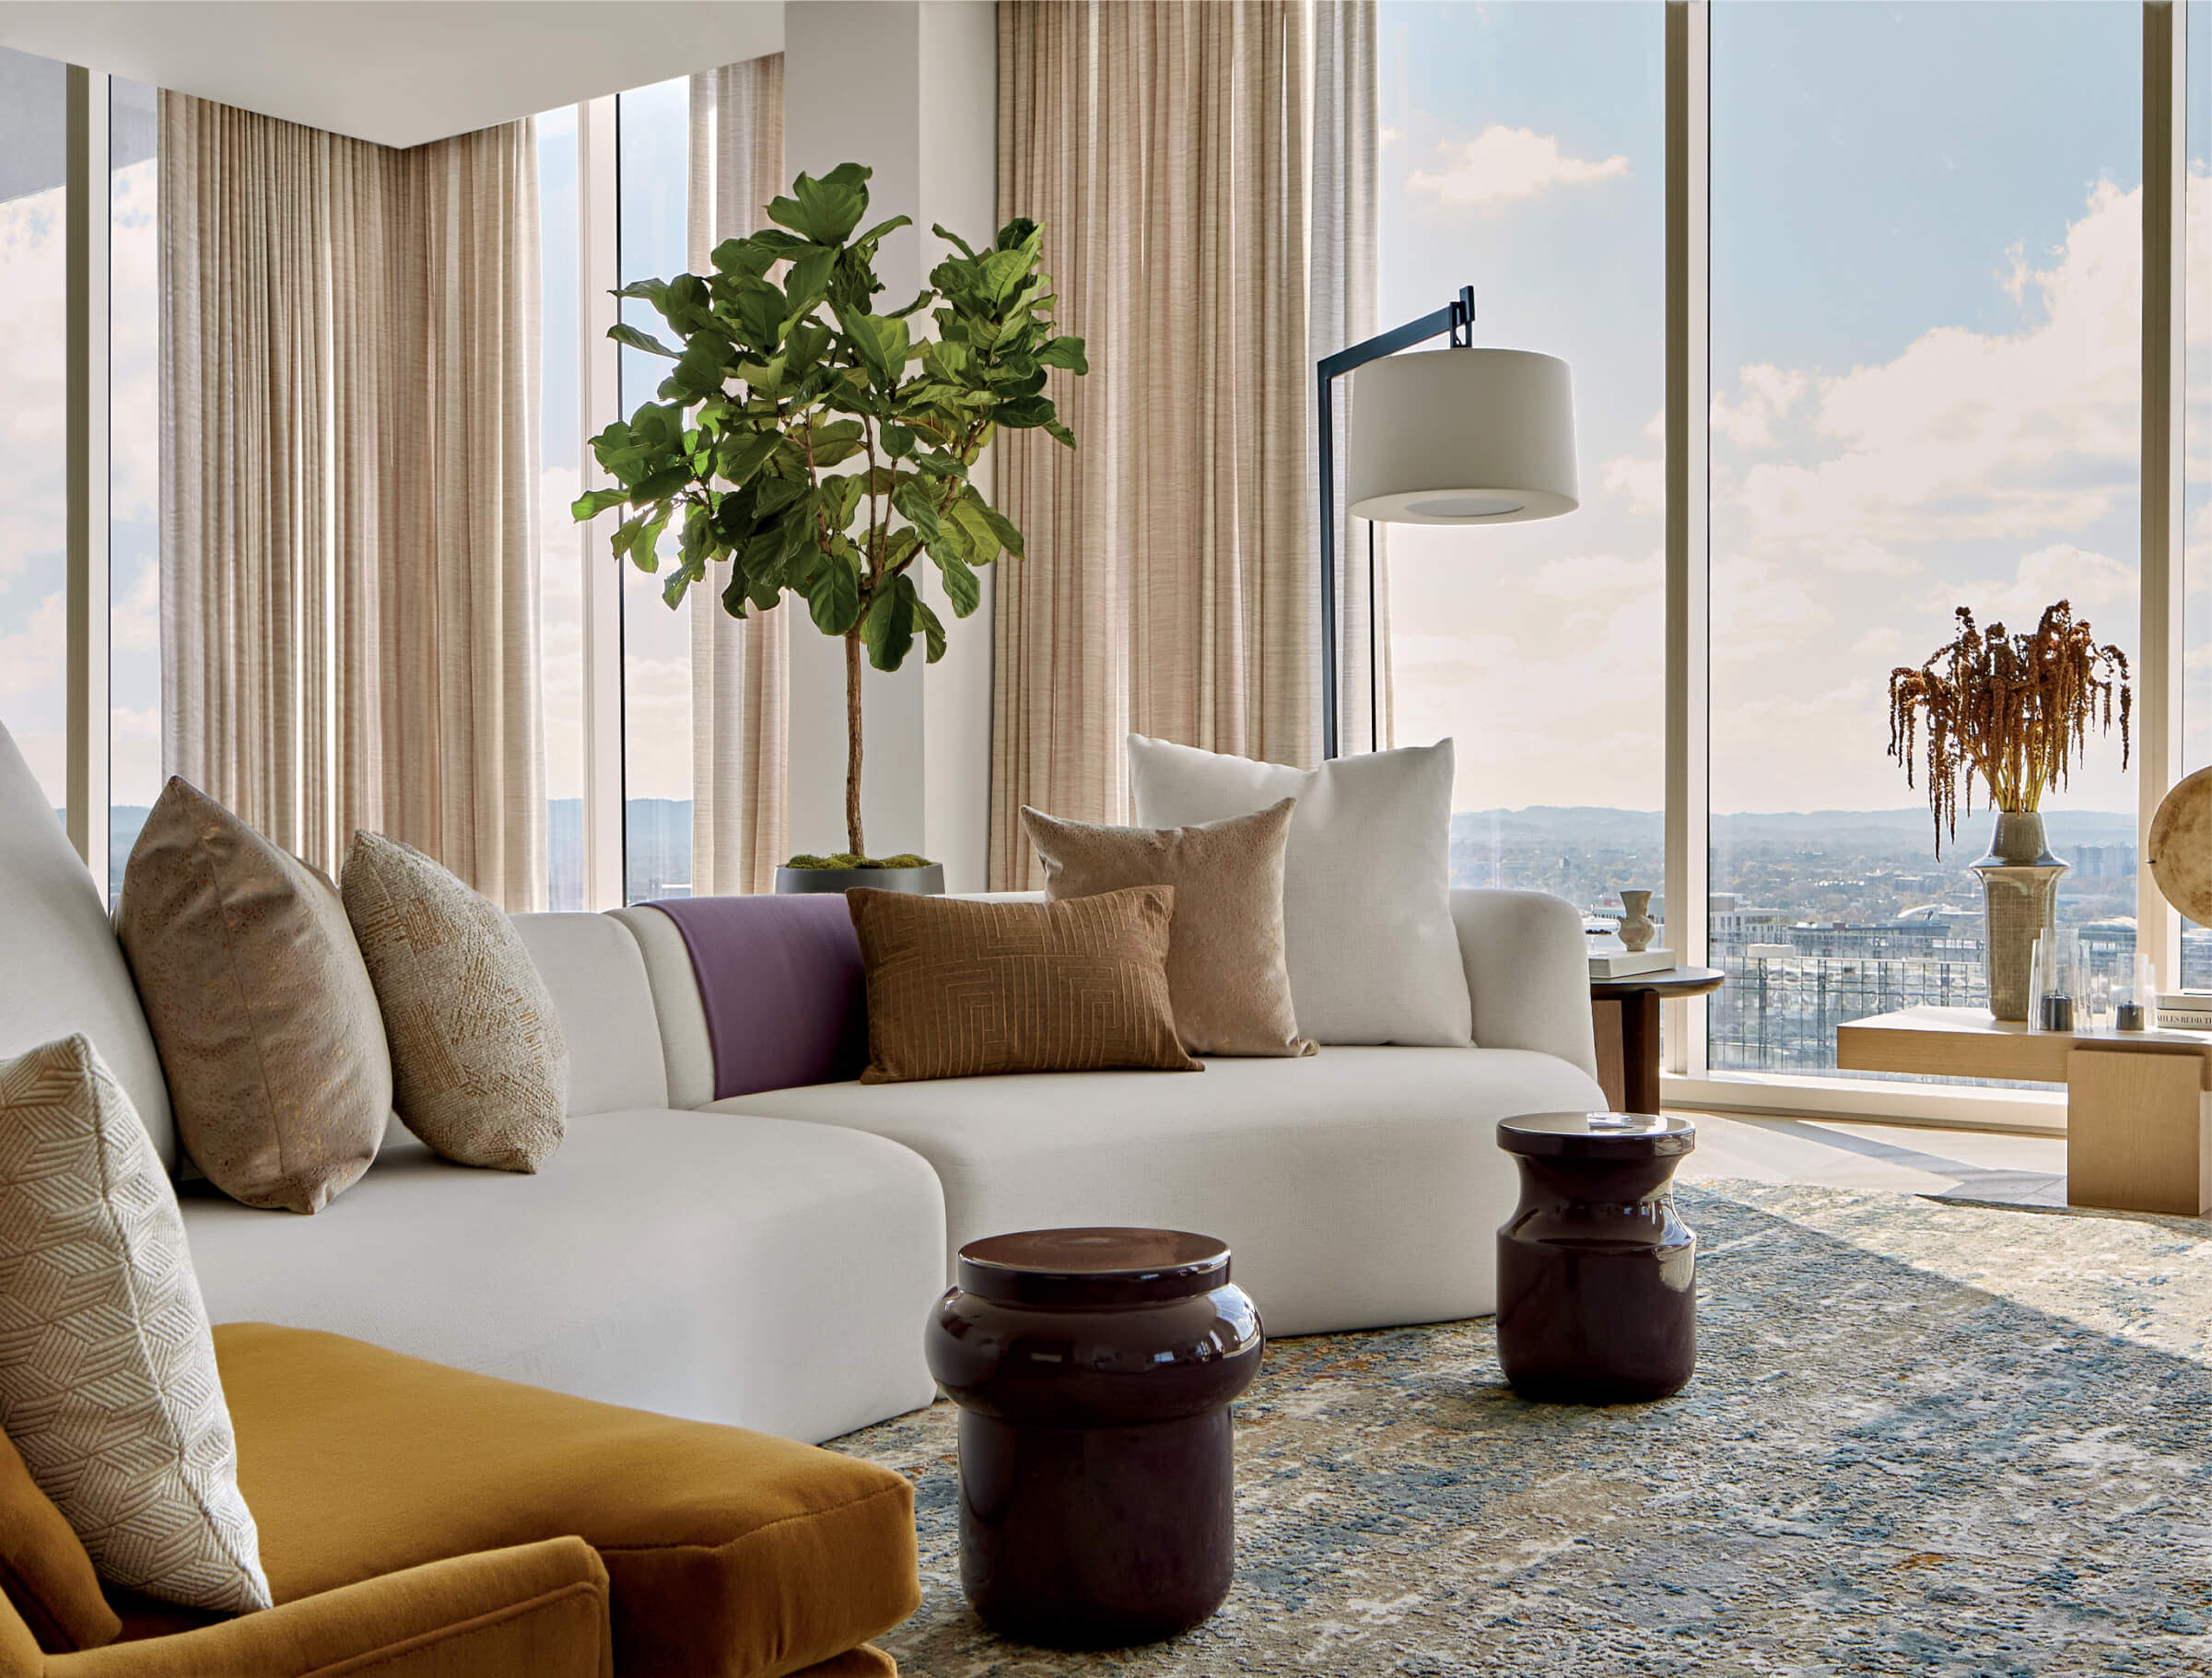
(108, 1383)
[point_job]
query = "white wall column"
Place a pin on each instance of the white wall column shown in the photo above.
(909, 89)
(85, 426)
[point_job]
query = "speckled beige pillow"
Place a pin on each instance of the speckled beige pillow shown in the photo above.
(268, 1030)
(1226, 974)
(479, 1065)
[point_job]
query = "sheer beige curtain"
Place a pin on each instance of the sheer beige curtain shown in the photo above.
(1346, 264)
(349, 460)
(740, 668)
(1171, 579)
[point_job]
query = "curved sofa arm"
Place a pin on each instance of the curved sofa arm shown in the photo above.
(537, 1611)
(1528, 972)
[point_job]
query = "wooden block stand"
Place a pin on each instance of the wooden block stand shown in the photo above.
(2139, 1114)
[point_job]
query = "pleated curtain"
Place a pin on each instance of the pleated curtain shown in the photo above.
(739, 667)
(1171, 584)
(350, 461)
(1346, 267)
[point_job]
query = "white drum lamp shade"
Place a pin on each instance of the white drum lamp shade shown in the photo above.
(1462, 436)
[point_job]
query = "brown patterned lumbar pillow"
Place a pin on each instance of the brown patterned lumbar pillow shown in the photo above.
(267, 1026)
(1226, 975)
(479, 1064)
(958, 989)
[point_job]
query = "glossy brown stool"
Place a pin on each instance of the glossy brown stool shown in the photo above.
(1094, 1370)
(1596, 1273)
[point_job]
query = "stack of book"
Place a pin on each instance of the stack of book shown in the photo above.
(1611, 959)
(2185, 1011)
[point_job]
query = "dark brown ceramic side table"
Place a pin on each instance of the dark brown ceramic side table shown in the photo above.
(1094, 1370)
(1625, 1014)
(1597, 1273)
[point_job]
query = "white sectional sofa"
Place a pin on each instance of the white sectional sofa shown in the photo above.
(770, 1261)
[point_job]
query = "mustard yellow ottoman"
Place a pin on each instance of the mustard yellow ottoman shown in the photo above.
(730, 1553)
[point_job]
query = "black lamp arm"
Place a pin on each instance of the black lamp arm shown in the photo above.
(1456, 317)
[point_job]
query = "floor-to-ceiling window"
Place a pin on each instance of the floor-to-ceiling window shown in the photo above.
(654, 152)
(561, 541)
(2196, 580)
(134, 470)
(1926, 315)
(33, 467)
(1522, 154)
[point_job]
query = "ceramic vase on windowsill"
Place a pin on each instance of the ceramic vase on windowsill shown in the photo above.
(2019, 890)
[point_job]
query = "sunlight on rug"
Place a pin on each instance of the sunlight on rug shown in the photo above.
(1924, 1439)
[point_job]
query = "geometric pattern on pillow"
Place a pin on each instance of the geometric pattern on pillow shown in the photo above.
(108, 1383)
(479, 1062)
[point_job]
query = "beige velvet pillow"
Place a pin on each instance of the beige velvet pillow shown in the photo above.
(960, 989)
(108, 1379)
(267, 1026)
(479, 1065)
(1226, 975)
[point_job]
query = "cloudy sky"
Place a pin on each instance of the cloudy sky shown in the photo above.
(1927, 282)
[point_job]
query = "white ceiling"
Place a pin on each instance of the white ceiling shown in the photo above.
(396, 71)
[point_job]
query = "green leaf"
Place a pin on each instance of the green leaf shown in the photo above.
(962, 586)
(1064, 352)
(898, 442)
(652, 290)
(932, 628)
(624, 332)
(1001, 525)
(834, 599)
(739, 457)
(594, 502)
(778, 493)
(880, 342)
(914, 505)
(825, 210)
(889, 628)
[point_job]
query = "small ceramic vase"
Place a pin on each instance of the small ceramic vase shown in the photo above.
(1636, 926)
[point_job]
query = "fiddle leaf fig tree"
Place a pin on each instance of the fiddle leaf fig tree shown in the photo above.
(817, 447)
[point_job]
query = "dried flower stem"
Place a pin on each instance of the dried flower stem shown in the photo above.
(2015, 710)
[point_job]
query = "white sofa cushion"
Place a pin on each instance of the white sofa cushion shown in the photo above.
(770, 1276)
(596, 979)
(1361, 1188)
(1366, 885)
(61, 970)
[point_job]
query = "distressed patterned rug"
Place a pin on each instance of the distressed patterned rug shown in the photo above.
(1924, 1438)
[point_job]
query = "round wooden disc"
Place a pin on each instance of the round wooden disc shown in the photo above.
(2181, 846)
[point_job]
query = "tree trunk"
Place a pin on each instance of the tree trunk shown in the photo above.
(852, 743)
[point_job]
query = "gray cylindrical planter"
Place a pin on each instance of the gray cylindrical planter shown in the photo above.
(927, 881)
(2019, 892)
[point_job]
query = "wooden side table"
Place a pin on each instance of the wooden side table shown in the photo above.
(1625, 1013)
(2138, 1117)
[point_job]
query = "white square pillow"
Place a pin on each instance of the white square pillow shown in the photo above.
(1367, 890)
(108, 1383)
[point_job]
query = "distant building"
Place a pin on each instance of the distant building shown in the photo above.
(2105, 862)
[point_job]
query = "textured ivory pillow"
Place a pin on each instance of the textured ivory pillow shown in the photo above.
(1367, 896)
(959, 989)
(44, 1572)
(1226, 975)
(479, 1066)
(266, 1024)
(108, 1383)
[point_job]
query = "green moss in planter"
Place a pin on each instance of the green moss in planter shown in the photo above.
(845, 860)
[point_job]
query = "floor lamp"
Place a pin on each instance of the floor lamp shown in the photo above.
(1457, 436)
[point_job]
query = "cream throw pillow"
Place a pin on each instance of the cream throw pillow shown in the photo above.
(479, 1065)
(108, 1383)
(1225, 969)
(1366, 897)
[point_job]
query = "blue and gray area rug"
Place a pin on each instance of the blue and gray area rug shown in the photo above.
(1924, 1439)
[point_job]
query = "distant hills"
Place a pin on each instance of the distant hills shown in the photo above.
(1545, 822)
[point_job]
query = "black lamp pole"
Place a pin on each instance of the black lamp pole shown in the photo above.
(1457, 318)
